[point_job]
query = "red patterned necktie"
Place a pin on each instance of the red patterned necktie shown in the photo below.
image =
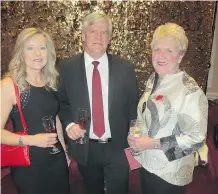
(97, 102)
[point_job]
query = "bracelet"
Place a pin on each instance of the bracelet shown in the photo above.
(156, 144)
(65, 151)
(20, 141)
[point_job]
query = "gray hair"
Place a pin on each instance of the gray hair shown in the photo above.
(94, 18)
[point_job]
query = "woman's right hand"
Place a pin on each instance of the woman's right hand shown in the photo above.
(44, 140)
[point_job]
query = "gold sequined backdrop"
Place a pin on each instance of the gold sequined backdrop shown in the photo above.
(133, 22)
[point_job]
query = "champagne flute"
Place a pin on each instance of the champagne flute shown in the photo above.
(136, 132)
(82, 119)
(49, 126)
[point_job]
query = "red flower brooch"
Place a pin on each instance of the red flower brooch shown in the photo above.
(159, 97)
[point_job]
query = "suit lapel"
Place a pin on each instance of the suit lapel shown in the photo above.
(111, 83)
(84, 93)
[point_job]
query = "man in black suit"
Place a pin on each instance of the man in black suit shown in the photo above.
(105, 85)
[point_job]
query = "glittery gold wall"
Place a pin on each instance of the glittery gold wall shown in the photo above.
(134, 23)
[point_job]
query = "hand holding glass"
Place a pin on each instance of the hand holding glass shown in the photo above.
(82, 119)
(49, 126)
(136, 132)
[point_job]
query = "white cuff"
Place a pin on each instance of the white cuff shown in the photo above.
(68, 126)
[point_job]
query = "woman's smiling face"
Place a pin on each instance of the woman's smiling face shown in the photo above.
(35, 52)
(166, 56)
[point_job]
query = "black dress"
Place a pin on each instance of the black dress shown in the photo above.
(48, 173)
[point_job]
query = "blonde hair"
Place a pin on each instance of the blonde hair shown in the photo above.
(94, 18)
(171, 30)
(17, 66)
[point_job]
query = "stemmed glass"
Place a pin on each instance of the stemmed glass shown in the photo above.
(82, 119)
(49, 126)
(135, 130)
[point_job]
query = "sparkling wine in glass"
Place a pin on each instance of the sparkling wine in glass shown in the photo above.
(135, 131)
(49, 126)
(82, 119)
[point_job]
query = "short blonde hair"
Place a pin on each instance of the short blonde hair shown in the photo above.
(174, 31)
(94, 18)
(17, 66)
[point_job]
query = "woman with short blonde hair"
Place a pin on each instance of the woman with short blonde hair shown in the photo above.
(173, 117)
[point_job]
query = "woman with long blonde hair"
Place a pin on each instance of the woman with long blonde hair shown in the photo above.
(32, 69)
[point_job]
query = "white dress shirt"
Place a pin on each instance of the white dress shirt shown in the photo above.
(104, 74)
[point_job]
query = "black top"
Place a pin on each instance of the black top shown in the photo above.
(36, 103)
(48, 173)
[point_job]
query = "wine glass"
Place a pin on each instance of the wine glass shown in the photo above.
(49, 126)
(82, 119)
(135, 130)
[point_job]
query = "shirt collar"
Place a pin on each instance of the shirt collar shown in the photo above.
(89, 59)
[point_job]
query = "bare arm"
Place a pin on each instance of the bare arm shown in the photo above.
(8, 99)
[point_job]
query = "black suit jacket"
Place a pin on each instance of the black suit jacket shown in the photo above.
(122, 100)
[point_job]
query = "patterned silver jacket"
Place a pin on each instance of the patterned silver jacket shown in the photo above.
(176, 112)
